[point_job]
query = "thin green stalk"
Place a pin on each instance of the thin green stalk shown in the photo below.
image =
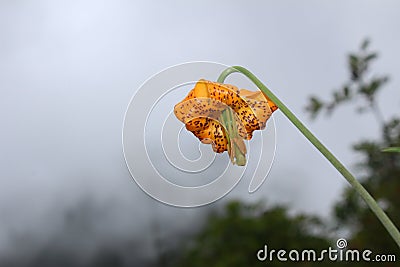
(229, 123)
(385, 220)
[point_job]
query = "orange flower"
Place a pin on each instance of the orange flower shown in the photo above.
(202, 111)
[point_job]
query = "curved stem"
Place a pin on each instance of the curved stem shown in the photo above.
(385, 220)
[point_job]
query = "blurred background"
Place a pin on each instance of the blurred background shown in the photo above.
(69, 69)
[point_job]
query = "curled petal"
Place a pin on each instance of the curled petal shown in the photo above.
(202, 108)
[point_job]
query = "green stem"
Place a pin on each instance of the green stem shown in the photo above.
(385, 220)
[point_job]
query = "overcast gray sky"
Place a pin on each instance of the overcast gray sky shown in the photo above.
(69, 69)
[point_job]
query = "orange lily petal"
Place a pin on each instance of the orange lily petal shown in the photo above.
(201, 109)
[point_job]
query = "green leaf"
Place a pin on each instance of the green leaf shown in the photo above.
(391, 149)
(315, 106)
(365, 44)
(354, 63)
(371, 57)
(346, 91)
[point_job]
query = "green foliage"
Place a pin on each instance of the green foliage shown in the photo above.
(233, 237)
(360, 85)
